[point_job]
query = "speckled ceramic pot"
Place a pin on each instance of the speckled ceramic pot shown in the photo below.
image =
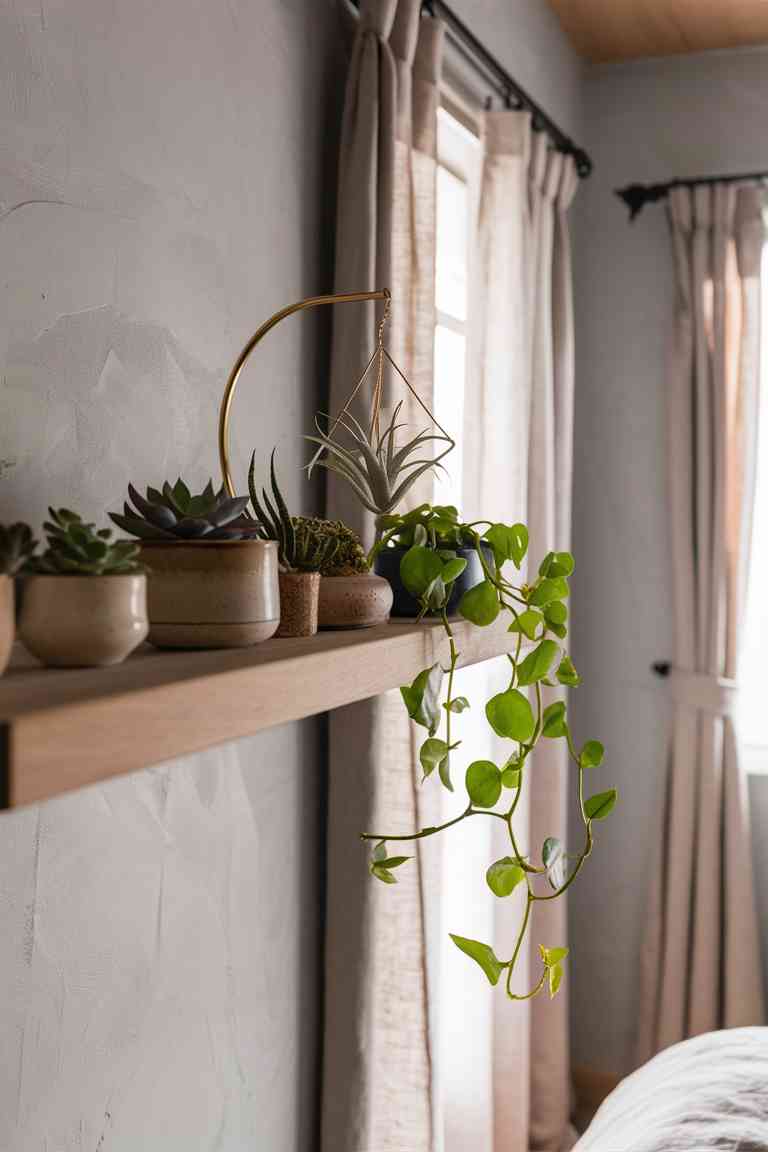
(211, 594)
(299, 597)
(83, 621)
(358, 601)
(6, 620)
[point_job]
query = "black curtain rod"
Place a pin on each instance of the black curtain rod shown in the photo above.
(512, 93)
(636, 196)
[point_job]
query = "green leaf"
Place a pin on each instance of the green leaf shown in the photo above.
(483, 955)
(509, 542)
(552, 956)
(420, 535)
(548, 590)
(527, 622)
(556, 564)
(458, 704)
(510, 777)
(431, 754)
(597, 807)
(503, 876)
(554, 859)
(511, 716)
(380, 852)
(555, 977)
(567, 674)
(591, 755)
(418, 568)
(382, 874)
(422, 698)
(393, 861)
(436, 594)
(453, 569)
(483, 782)
(537, 663)
(480, 605)
(553, 720)
(181, 495)
(556, 612)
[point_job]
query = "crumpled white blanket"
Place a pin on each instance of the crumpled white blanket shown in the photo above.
(707, 1093)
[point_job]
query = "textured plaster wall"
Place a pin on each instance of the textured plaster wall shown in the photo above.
(165, 176)
(646, 121)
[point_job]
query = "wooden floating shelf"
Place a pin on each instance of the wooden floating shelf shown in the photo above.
(62, 729)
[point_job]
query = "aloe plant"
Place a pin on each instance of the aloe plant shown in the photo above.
(78, 549)
(17, 547)
(379, 473)
(174, 513)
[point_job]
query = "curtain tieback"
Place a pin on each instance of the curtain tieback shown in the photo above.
(714, 694)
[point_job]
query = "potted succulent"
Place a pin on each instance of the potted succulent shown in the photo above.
(17, 547)
(302, 553)
(85, 602)
(212, 583)
(351, 595)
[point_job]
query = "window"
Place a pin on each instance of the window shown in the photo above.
(753, 733)
(458, 177)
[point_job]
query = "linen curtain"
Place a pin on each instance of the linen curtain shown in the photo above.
(379, 1060)
(701, 964)
(519, 460)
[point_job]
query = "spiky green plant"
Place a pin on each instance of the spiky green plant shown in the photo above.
(174, 513)
(302, 545)
(77, 549)
(379, 473)
(17, 546)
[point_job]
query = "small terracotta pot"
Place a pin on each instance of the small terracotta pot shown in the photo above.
(299, 596)
(6, 620)
(358, 601)
(83, 621)
(211, 594)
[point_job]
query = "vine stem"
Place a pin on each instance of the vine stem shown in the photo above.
(432, 830)
(519, 942)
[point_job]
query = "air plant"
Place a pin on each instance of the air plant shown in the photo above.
(303, 544)
(17, 546)
(174, 513)
(77, 549)
(379, 473)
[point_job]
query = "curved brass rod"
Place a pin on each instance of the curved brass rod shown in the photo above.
(229, 391)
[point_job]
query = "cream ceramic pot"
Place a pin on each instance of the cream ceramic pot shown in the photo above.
(211, 594)
(83, 621)
(359, 601)
(6, 620)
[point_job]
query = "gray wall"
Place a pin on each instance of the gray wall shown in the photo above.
(646, 121)
(166, 175)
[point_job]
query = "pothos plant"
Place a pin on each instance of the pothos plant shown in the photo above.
(537, 614)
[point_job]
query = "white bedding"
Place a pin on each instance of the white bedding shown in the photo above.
(707, 1093)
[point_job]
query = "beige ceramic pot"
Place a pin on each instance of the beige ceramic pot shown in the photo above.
(211, 594)
(358, 601)
(6, 620)
(299, 596)
(83, 621)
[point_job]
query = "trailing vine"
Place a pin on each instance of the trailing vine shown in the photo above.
(538, 614)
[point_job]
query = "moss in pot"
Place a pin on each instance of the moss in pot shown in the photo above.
(212, 579)
(85, 599)
(17, 546)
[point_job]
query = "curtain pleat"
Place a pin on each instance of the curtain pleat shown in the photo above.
(379, 1062)
(701, 962)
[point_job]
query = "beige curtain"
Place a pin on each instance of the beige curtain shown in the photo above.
(519, 436)
(701, 964)
(379, 1057)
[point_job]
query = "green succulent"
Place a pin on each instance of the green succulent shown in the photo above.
(17, 546)
(173, 513)
(347, 557)
(379, 473)
(299, 548)
(77, 549)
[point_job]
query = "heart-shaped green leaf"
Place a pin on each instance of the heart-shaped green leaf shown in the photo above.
(591, 755)
(422, 698)
(556, 564)
(453, 569)
(597, 807)
(527, 622)
(418, 568)
(548, 590)
(567, 674)
(503, 876)
(553, 720)
(537, 663)
(458, 704)
(509, 542)
(510, 777)
(480, 605)
(431, 754)
(483, 955)
(483, 782)
(511, 716)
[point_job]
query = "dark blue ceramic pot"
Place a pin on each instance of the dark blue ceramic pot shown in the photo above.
(387, 564)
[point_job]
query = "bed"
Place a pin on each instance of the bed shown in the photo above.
(707, 1093)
